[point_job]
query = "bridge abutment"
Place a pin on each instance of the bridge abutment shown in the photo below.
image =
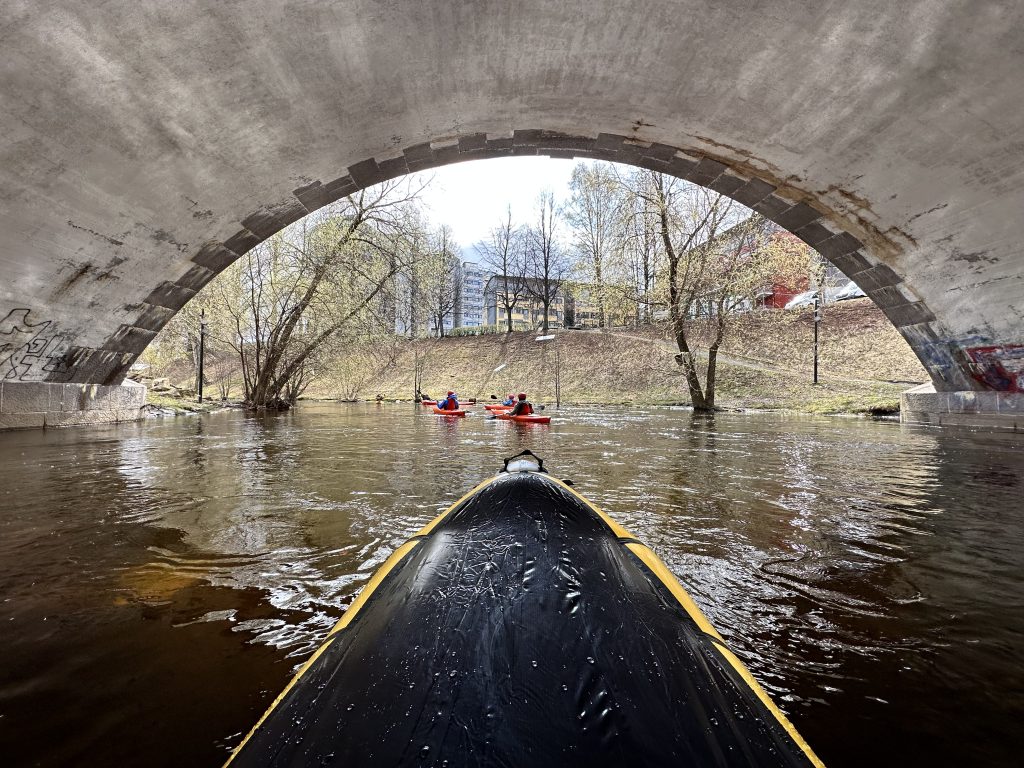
(33, 404)
(988, 410)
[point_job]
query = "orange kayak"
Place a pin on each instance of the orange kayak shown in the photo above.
(439, 412)
(531, 419)
(428, 403)
(497, 407)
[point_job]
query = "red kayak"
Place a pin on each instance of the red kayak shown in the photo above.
(428, 403)
(497, 407)
(439, 412)
(531, 419)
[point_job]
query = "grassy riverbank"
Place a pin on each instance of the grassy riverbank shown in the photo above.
(764, 364)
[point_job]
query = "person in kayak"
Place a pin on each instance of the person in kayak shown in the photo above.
(450, 403)
(509, 400)
(523, 407)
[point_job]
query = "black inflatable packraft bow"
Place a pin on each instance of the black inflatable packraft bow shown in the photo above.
(523, 627)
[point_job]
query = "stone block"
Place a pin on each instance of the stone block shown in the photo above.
(243, 241)
(850, 264)
(273, 218)
(214, 256)
(798, 216)
(22, 420)
(839, 245)
(909, 314)
(393, 167)
(197, 277)
(1011, 402)
(19, 397)
(129, 414)
(772, 207)
(169, 295)
(753, 192)
(80, 418)
(127, 338)
(727, 184)
(706, 171)
(366, 173)
(813, 233)
(878, 276)
(418, 153)
(472, 141)
(495, 141)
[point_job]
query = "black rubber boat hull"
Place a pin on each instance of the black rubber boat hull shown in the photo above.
(523, 628)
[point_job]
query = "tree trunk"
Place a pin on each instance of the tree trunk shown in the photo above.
(709, 384)
(689, 364)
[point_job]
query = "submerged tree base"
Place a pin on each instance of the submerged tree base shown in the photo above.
(273, 405)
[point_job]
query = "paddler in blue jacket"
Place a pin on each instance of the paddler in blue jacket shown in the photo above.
(509, 400)
(450, 403)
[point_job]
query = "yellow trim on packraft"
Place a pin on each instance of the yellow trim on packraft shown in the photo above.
(617, 529)
(659, 569)
(666, 577)
(762, 694)
(372, 585)
(358, 603)
(434, 523)
(278, 700)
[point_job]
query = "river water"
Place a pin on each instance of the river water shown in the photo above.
(160, 582)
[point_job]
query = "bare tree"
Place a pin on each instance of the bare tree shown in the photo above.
(504, 255)
(547, 265)
(642, 247)
(303, 286)
(443, 288)
(720, 256)
(595, 213)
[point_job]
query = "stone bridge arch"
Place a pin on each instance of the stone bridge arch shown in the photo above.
(146, 145)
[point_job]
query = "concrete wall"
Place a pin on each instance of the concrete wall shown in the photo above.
(980, 410)
(144, 145)
(25, 405)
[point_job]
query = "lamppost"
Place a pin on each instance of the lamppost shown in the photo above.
(817, 319)
(202, 350)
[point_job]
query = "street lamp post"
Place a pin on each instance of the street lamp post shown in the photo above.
(817, 319)
(202, 350)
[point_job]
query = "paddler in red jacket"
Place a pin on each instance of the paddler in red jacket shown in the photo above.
(523, 407)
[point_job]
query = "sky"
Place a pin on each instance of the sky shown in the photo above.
(472, 197)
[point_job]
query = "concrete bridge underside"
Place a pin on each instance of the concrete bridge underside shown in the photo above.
(145, 145)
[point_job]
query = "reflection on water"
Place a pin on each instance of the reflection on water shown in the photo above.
(161, 581)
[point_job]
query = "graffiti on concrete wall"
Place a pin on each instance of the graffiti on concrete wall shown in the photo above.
(998, 367)
(25, 344)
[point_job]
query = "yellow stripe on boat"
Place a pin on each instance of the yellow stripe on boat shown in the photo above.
(762, 694)
(280, 698)
(617, 529)
(659, 569)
